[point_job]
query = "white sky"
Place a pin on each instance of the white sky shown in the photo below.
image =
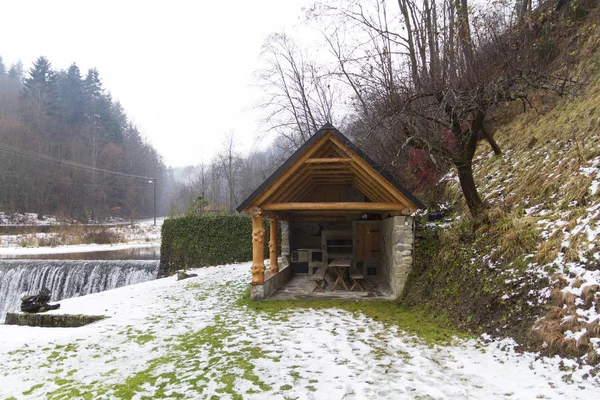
(181, 69)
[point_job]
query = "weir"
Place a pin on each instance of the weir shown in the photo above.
(67, 278)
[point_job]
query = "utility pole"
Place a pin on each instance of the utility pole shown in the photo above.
(153, 181)
(154, 201)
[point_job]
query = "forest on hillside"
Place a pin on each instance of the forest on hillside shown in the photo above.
(67, 147)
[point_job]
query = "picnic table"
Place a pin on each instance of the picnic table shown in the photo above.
(340, 266)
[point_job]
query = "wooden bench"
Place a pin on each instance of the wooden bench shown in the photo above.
(320, 277)
(356, 277)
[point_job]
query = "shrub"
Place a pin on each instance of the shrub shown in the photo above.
(193, 241)
(104, 236)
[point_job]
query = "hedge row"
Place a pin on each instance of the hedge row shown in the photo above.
(190, 242)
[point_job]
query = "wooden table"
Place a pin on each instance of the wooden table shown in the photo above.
(340, 266)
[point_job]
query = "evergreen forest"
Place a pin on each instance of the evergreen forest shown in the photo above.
(67, 148)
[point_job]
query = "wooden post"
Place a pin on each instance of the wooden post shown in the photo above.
(273, 246)
(258, 246)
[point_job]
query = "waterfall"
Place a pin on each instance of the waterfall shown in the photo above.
(67, 278)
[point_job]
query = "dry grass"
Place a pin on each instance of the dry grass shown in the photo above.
(548, 250)
(72, 235)
(593, 328)
(514, 235)
(102, 236)
(552, 164)
(561, 318)
(588, 294)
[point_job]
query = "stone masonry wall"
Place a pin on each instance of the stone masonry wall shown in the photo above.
(51, 320)
(398, 238)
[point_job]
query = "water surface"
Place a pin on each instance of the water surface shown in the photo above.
(136, 253)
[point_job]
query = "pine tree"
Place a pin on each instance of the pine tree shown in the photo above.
(71, 92)
(93, 93)
(15, 72)
(93, 85)
(2, 68)
(40, 86)
(40, 74)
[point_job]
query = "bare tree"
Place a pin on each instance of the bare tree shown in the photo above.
(230, 163)
(299, 97)
(440, 102)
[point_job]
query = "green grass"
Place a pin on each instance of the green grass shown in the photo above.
(32, 389)
(429, 327)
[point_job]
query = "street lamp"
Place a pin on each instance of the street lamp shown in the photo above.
(153, 182)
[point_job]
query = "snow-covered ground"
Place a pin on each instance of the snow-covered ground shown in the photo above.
(192, 339)
(26, 219)
(141, 234)
(31, 219)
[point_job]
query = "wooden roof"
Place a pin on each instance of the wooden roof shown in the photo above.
(329, 158)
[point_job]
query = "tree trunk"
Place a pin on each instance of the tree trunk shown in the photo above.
(411, 44)
(464, 164)
(464, 36)
(451, 48)
(488, 135)
(467, 184)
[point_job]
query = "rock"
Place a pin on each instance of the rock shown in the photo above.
(532, 142)
(38, 302)
(184, 275)
(51, 320)
(435, 216)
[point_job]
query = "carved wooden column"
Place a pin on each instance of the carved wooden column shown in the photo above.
(258, 246)
(273, 246)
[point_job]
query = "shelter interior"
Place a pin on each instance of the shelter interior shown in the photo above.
(317, 244)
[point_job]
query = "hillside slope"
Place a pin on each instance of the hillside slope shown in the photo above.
(531, 268)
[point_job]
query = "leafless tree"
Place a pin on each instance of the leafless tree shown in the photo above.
(442, 76)
(299, 99)
(230, 163)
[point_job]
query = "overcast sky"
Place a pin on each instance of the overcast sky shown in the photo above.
(183, 70)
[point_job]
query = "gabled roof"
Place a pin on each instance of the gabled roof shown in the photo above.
(329, 157)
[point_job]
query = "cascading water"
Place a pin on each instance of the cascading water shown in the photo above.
(67, 278)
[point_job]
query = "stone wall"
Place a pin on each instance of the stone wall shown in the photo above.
(397, 236)
(272, 283)
(51, 320)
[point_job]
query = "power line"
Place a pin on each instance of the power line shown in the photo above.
(4, 175)
(65, 163)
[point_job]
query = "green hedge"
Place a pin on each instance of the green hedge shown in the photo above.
(189, 242)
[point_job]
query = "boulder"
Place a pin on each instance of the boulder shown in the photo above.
(184, 275)
(38, 303)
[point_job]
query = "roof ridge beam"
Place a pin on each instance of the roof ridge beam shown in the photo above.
(334, 206)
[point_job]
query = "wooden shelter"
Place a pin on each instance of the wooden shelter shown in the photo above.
(329, 183)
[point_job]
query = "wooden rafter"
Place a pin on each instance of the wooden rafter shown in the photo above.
(371, 186)
(290, 171)
(299, 190)
(371, 172)
(328, 160)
